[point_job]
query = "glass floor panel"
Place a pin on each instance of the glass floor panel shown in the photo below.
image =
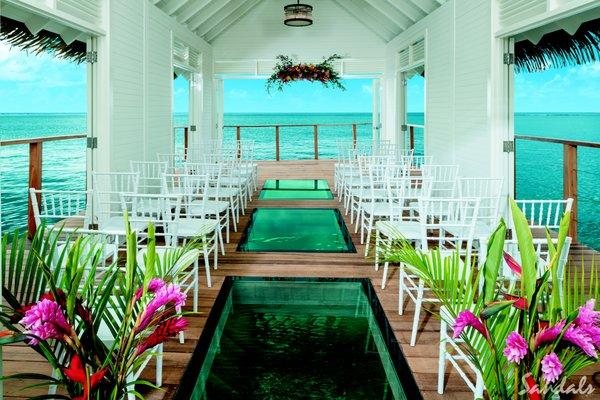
(295, 189)
(318, 230)
(295, 338)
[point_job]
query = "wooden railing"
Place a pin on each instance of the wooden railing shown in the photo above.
(411, 134)
(570, 186)
(35, 166)
(277, 128)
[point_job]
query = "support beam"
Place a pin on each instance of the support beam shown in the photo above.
(366, 19)
(409, 9)
(208, 13)
(384, 7)
(191, 9)
(172, 6)
(570, 184)
(241, 9)
(428, 6)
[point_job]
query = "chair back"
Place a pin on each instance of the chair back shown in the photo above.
(69, 207)
(449, 225)
(444, 178)
(173, 160)
(543, 257)
(489, 193)
(404, 193)
(544, 213)
(150, 181)
(161, 210)
(108, 187)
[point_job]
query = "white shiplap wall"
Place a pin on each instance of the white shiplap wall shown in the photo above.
(458, 47)
(261, 35)
(137, 57)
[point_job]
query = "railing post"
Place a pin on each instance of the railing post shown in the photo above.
(570, 184)
(412, 137)
(316, 140)
(277, 143)
(238, 138)
(35, 181)
(354, 136)
(185, 142)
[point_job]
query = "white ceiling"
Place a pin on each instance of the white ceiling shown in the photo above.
(211, 18)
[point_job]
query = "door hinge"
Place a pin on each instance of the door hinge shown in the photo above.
(92, 142)
(91, 57)
(193, 128)
(508, 146)
(404, 82)
(403, 127)
(509, 58)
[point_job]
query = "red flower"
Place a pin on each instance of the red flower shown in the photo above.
(169, 328)
(519, 302)
(77, 373)
(512, 264)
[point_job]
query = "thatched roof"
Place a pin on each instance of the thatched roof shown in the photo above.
(16, 34)
(559, 49)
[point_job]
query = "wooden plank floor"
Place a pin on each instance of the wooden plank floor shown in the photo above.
(422, 358)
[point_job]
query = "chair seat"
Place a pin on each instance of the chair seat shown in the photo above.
(213, 207)
(399, 229)
(369, 194)
(222, 192)
(192, 227)
(116, 225)
(378, 208)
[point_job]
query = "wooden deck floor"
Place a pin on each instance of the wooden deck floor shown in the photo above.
(422, 358)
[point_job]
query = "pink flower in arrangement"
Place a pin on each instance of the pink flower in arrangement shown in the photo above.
(516, 347)
(548, 335)
(467, 318)
(587, 315)
(154, 285)
(580, 337)
(167, 329)
(512, 264)
(45, 320)
(167, 294)
(551, 367)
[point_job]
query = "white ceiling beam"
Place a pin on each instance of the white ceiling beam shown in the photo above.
(241, 9)
(207, 14)
(409, 9)
(191, 9)
(172, 6)
(380, 18)
(428, 6)
(392, 13)
(370, 23)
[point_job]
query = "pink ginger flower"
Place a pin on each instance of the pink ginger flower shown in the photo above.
(45, 320)
(516, 347)
(551, 367)
(154, 285)
(581, 338)
(549, 335)
(167, 329)
(587, 315)
(467, 318)
(513, 264)
(167, 294)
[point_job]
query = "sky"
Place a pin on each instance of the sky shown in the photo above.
(41, 83)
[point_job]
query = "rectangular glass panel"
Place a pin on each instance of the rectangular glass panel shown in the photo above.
(297, 339)
(296, 189)
(296, 230)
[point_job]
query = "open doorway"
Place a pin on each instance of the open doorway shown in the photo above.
(181, 107)
(45, 119)
(283, 125)
(415, 111)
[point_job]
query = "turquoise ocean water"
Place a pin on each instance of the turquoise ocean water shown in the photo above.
(539, 165)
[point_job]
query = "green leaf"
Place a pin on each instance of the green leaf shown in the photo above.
(526, 250)
(494, 308)
(493, 261)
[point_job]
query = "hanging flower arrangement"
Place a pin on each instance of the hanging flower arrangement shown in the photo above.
(287, 71)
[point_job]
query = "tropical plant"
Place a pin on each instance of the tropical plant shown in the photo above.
(93, 326)
(525, 338)
(287, 71)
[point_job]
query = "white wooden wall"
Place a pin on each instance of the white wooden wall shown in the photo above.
(460, 49)
(136, 55)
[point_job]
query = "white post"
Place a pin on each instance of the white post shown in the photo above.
(376, 93)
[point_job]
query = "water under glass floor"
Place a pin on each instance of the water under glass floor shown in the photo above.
(295, 189)
(319, 230)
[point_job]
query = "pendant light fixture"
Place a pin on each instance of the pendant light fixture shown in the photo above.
(298, 14)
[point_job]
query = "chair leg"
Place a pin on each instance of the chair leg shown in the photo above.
(479, 386)
(401, 290)
(195, 289)
(368, 239)
(442, 356)
(418, 304)
(220, 239)
(159, 364)
(385, 272)
(376, 250)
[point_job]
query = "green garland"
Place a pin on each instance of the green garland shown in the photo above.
(286, 71)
